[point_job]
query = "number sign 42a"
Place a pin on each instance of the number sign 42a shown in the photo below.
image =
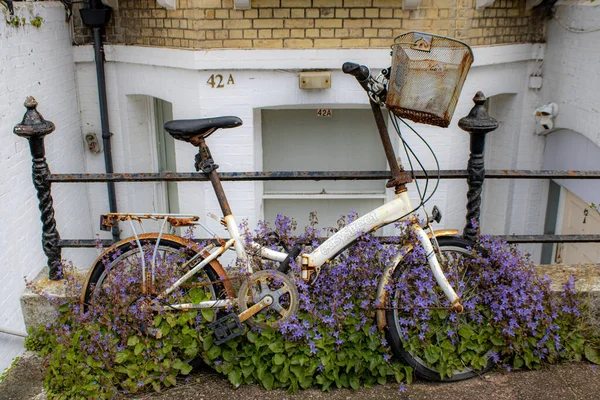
(218, 82)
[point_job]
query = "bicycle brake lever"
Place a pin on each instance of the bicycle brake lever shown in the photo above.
(436, 215)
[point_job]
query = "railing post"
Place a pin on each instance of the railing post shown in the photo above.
(34, 128)
(477, 123)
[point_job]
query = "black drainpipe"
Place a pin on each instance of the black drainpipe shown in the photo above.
(97, 17)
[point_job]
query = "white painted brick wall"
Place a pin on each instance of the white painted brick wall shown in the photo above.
(36, 62)
(180, 77)
(571, 72)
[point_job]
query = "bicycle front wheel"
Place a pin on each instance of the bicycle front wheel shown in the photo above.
(422, 330)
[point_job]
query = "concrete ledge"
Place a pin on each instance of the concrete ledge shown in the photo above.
(42, 309)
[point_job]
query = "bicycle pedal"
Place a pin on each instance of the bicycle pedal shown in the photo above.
(226, 328)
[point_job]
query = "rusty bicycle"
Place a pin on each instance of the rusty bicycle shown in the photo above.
(269, 297)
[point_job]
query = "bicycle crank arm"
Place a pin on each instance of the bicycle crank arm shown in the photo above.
(255, 309)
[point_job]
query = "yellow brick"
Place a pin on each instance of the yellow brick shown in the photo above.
(404, 13)
(146, 32)
(251, 14)
(265, 13)
(386, 13)
(265, 34)
(222, 14)
(167, 23)
(384, 33)
(236, 34)
(299, 23)
(183, 23)
(297, 13)
(370, 33)
(192, 34)
(443, 24)
(513, 13)
(342, 13)
(281, 33)
(152, 23)
(236, 14)
(227, 3)
(175, 23)
(222, 35)
(295, 3)
(268, 43)
(313, 13)
(159, 14)
(206, 4)
(328, 23)
(387, 23)
(327, 33)
(357, 23)
(357, 13)
(372, 13)
(327, 3)
(237, 43)
(327, 12)
(358, 3)
(211, 44)
(379, 42)
(250, 34)
(297, 33)
(281, 13)
(312, 33)
(416, 24)
(268, 23)
(355, 43)
(328, 43)
(179, 13)
(210, 24)
(386, 3)
(237, 24)
(443, 13)
(298, 43)
(174, 33)
(265, 3)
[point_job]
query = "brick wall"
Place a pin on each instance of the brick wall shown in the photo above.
(314, 23)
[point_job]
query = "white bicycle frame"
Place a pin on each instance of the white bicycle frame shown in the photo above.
(393, 211)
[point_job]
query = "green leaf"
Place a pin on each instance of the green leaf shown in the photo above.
(247, 371)
(518, 362)
(354, 382)
(252, 336)
(497, 341)
(138, 349)
(177, 364)
(122, 356)
(132, 341)
(268, 381)
(306, 382)
(186, 369)
(213, 352)
(279, 359)
(592, 354)
(170, 381)
(235, 377)
(208, 314)
(276, 347)
(465, 331)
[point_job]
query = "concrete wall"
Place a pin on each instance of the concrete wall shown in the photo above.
(269, 79)
(35, 62)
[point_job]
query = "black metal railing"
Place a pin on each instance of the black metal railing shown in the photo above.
(477, 124)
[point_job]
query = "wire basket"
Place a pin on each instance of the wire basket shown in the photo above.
(428, 72)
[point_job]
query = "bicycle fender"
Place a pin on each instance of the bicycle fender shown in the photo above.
(381, 299)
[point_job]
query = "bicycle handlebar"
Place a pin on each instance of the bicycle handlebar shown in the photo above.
(360, 72)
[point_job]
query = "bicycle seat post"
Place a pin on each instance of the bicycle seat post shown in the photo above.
(205, 163)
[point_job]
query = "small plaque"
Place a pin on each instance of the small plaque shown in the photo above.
(324, 112)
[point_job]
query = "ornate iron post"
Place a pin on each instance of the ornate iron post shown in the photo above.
(477, 123)
(34, 128)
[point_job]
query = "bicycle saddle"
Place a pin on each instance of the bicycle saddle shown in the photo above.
(186, 129)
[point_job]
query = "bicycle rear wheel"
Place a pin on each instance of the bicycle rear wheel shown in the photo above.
(439, 344)
(116, 275)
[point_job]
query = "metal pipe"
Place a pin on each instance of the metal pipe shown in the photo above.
(102, 99)
(310, 175)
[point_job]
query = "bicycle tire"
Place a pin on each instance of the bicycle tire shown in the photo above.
(127, 249)
(404, 296)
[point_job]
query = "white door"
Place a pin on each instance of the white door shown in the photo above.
(305, 140)
(578, 218)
